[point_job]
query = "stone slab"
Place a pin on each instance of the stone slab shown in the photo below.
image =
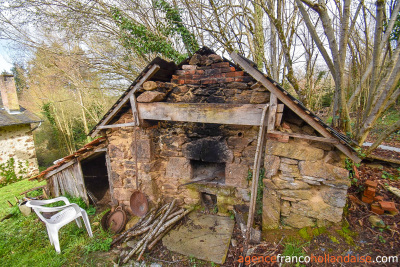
(202, 236)
(298, 150)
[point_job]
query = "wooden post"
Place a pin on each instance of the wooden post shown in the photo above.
(273, 102)
(110, 180)
(254, 181)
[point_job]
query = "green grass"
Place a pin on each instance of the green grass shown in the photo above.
(294, 247)
(24, 240)
(8, 193)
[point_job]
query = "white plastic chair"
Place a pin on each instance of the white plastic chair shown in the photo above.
(66, 214)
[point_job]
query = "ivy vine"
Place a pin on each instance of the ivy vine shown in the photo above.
(138, 38)
(8, 172)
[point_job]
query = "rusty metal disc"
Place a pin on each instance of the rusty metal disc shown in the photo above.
(116, 220)
(103, 221)
(139, 204)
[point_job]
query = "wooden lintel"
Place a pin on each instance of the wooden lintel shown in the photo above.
(234, 114)
(100, 150)
(308, 137)
(62, 167)
(285, 99)
(128, 124)
(126, 98)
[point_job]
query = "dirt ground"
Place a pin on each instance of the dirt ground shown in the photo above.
(355, 236)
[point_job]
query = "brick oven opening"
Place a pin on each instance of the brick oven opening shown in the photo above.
(208, 172)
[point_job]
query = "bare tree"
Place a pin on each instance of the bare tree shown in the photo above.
(381, 74)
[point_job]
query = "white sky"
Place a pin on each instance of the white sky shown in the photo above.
(5, 61)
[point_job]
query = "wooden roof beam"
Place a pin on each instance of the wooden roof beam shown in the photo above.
(126, 98)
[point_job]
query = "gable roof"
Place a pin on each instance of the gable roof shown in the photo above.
(164, 71)
(23, 117)
(345, 143)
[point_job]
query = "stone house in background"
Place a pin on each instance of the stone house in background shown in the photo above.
(196, 140)
(16, 124)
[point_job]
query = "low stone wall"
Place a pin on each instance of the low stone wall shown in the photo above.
(17, 142)
(305, 185)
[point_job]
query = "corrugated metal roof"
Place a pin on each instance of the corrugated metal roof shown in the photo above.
(86, 148)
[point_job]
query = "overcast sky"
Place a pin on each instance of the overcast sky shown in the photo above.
(5, 60)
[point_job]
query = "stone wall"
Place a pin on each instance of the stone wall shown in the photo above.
(164, 162)
(17, 142)
(306, 183)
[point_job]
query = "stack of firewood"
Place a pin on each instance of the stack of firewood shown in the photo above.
(151, 228)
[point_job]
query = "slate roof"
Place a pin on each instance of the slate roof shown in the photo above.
(24, 117)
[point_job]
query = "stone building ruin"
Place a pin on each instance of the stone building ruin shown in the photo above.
(197, 138)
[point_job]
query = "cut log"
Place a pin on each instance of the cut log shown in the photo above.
(156, 228)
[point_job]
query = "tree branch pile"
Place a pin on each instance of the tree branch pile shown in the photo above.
(151, 228)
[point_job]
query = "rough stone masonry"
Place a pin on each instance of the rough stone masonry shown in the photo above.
(305, 182)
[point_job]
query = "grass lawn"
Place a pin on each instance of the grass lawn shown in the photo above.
(24, 240)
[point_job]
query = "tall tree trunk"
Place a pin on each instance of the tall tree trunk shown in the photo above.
(259, 40)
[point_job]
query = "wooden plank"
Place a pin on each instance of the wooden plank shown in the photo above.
(308, 137)
(55, 190)
(279, 114)
(128, 124)
(289, 103)
(61, 183)
(81, 187)
(134, 110)
(375, 157)
(273, 102)
(246, 114)
(118, 106)
(256, 171)
(110, 182)
(62, 167)
(278, 119)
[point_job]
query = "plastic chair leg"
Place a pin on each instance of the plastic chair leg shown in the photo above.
(49, 234)
(87, 223)
(78, 222)
(54, 236)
